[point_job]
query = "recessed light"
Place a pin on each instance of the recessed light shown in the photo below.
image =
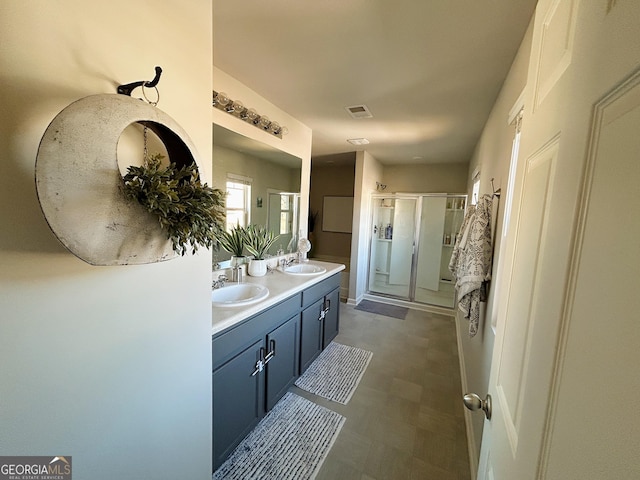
(358, 141)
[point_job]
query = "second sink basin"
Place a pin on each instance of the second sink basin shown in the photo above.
(304, 269)
(238, 294)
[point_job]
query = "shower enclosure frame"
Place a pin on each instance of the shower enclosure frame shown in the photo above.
(453, 210)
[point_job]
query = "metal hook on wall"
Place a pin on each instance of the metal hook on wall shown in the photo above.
(493, 189)
(129, 87)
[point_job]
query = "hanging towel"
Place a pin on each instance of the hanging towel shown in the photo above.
(471, 260)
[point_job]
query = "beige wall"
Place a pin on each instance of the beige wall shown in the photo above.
(335, 180)
(492, 158)
(111, 365)
(431, 178)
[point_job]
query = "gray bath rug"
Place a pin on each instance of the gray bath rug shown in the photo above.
(336, 372)
(289, 443)
(382, 309)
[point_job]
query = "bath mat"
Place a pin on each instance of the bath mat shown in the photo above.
(383, 309)
(289, 443)
(336, 372)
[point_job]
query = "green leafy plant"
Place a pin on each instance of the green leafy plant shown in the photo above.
(258, 240)
(191, 212)
(233, 241)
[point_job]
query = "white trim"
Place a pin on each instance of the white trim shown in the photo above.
(517, 107)
(239, 178)
(471, 439)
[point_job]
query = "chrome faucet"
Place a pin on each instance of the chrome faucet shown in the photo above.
(222, 279)
(286, 261)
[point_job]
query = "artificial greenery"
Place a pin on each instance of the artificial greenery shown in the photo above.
(233, 241)
(191, 212)
(258, 240)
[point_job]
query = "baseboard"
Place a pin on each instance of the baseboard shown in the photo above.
(344, 294)
(471, 439)
(354, 301)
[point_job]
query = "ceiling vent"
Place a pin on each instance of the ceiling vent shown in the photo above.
(358, 111)
(358, 141)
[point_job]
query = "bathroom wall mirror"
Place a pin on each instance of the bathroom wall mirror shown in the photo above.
(273, 179)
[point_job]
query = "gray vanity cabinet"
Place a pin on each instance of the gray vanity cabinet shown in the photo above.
(238, 403)
(320, 319)
(254, 363)
(282, 369)
(257, 360)
(332, 317)
(310, 334)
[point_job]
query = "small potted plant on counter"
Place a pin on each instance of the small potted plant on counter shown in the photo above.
(233, 242)
(258, 241)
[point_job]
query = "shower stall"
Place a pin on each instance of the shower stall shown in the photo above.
(412, 238)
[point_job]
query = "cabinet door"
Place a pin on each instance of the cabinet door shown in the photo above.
(238, 401)
(332, 317)
(310, 334)
(282, 366)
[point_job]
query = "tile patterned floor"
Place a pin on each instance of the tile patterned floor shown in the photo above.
(405, 420)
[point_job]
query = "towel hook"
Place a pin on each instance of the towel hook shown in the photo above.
(493, 189)
(129, 87)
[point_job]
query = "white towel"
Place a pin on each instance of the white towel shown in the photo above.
(471, 260)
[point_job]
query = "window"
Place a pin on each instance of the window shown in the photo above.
(512, 172)
(286, 213)
(238, 205)
(475, 193)
(515, 119)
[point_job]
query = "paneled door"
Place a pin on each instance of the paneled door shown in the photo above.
(566, 342)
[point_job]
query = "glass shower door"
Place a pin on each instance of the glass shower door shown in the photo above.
(440, 221)
(392, 246)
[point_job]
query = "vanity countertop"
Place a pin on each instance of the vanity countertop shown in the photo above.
(281, 286)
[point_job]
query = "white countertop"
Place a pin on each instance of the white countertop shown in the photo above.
(281, 286)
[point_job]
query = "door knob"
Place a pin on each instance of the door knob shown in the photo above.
(474, 402)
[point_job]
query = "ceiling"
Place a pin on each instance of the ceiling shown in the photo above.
(428, 70)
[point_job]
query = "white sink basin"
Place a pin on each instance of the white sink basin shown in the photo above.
(304, 269)
(238, 294)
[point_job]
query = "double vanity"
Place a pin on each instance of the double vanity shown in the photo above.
(266, 331)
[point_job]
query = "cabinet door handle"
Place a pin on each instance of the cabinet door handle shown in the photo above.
(326, 306)
(260, 363)
(271, 353)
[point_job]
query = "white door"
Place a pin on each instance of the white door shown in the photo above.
(576, 193)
